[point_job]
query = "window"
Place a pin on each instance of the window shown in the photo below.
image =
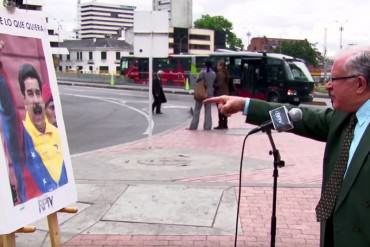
(275, 69)
(199, 37)
(103, 69)
(90, 55)
(103, 55)
(79, 55)
(118, 55)
(68, 57)
(200, 47)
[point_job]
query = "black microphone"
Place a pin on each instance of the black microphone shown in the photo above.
(281, 120)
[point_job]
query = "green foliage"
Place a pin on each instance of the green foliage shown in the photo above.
(300, 49)
(219, 23)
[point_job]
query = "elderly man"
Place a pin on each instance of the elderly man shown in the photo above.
(344, 206)
(43, 153)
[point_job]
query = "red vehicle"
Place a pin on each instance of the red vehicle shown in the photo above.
(176, 68)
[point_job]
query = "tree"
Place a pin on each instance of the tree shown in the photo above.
(300, 49)
(219, 23)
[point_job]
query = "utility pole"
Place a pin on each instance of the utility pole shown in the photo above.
(340, 38)
(248, 36)
(341, 34)
(325, 50)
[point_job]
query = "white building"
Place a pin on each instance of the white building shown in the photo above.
(54, 36)
(180, 12)
(100, 20)
(94, 55)
(53, 28)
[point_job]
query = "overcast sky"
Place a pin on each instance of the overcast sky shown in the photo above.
(296, 19)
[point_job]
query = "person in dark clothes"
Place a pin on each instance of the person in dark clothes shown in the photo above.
(158, 94)
(221, 88)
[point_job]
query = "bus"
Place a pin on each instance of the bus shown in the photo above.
(176, 68)
(268, 76)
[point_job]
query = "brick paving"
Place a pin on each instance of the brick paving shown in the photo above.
(298, 192)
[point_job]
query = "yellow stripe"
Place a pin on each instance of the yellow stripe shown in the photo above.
(48, 146)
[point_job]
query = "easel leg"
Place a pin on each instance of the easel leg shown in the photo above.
(54, 230)
(8, 240)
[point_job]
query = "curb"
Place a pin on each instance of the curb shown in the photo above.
(124, 87)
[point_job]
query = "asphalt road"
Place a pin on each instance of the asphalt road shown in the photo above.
(98, 117)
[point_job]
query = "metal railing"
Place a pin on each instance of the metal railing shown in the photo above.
(93, 78)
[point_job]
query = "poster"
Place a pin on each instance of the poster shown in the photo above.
(36, 177)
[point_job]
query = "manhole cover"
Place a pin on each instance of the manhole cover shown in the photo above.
(164, 162)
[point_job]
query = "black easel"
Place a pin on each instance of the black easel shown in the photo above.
(277, 163)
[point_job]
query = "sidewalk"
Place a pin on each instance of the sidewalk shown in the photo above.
(180, 189)
(298, 192)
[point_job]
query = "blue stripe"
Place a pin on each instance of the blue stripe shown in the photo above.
(38, 170)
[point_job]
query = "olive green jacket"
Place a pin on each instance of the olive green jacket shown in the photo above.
(351, 217)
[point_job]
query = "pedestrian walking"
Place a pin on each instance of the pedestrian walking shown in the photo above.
(208, 76)
(158, 95)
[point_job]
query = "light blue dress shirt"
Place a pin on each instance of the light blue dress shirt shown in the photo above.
(246, 106)
(363, 120)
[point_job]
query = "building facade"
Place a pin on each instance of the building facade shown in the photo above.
(52, 28)
(95, 56)
(180, 12)
(194, 41)
(268, 44)
(100, 20)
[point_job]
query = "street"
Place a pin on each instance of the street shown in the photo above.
(97, 117)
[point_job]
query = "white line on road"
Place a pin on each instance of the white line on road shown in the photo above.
(121, 103)
(108, 90)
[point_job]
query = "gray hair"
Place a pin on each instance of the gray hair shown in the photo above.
(359, 64)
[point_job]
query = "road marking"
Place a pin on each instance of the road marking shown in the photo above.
(121, 103)
(111, 91)
(177, 106)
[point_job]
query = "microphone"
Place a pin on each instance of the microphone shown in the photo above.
(281, 120)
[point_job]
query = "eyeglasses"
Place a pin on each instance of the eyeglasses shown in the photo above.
(342, 78)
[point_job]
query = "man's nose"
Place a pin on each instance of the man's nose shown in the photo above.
(329, 85)
(36, 98)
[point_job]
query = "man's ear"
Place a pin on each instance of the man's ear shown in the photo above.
(362, 84)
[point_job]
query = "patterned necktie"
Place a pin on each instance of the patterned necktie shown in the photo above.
(327, 201)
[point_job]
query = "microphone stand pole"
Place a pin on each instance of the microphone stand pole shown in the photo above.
(277, 163)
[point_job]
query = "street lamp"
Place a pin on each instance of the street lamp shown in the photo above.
(341, 33)
(248, 36)
(324, 57)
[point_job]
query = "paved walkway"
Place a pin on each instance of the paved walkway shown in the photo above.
(180, 189)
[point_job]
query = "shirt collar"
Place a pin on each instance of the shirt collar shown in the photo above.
(31, 127)
(363, 113)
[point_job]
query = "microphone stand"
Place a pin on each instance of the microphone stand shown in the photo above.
(277, 163)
